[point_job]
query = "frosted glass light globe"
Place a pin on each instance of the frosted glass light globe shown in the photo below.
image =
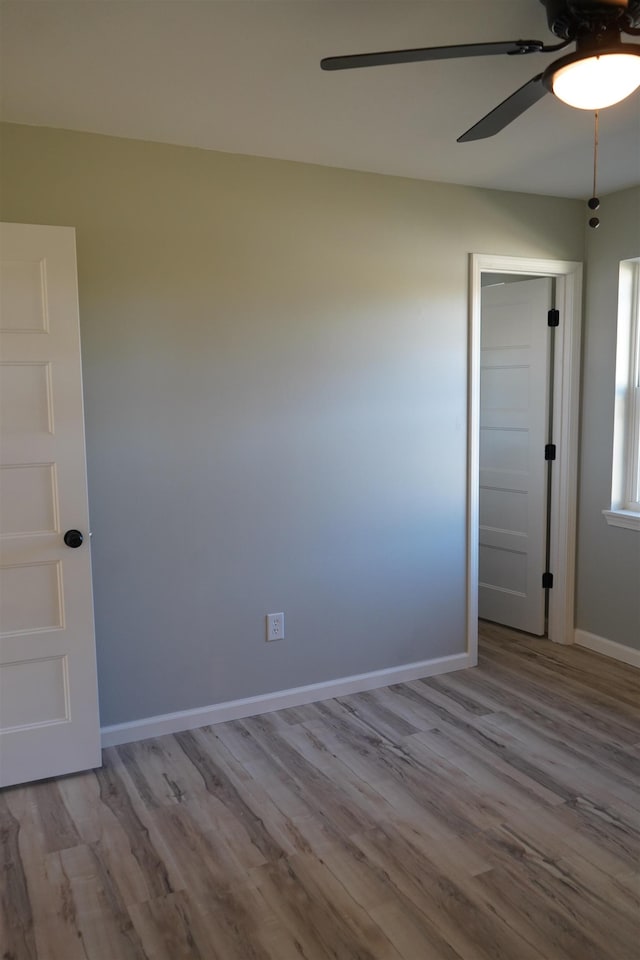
(597, 82)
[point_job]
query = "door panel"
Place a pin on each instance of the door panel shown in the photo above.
(49, 722)
(514, 412)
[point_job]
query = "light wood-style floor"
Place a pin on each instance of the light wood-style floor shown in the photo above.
(491, 814)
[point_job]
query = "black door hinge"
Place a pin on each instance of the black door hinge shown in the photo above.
(550, 451)
(553, 318)
(547, 581)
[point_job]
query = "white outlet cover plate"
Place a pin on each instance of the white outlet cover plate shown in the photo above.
(275, 626)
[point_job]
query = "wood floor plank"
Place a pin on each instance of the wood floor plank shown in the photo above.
(561, 889)
(601, 696)
(257, 803)
(447, 902)
(576, 664)
(485, 767)
(490, 814)
(320, 912)
(531, 812)
(166, 927)
(372, 708)
(553, 753)
(55, 913)
(363, 794)
(101, 913)
(402, 782)
(16, 914)
(115, 796)
(577, 731)
(218, 783)
(412, 931)
(541, 921)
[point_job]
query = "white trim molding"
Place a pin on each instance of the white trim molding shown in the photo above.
(622, 518)
(625, 472)
(609, 648)
(295, 697)
(568, 277)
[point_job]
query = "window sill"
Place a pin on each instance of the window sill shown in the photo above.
(622, 518)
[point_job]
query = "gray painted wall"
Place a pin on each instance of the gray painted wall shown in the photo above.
(608, 560)
(275, 361)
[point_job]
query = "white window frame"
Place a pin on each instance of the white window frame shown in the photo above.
(625, 482)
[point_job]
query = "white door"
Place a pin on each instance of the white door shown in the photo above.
(514, 416)
(49, 722)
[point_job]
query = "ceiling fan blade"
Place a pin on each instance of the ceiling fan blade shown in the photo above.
(507, 111)
(431, 53)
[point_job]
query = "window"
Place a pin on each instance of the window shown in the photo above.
(625, 489)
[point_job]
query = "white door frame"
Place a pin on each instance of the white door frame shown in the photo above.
(566, 373)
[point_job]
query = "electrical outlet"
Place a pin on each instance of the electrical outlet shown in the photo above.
(275, 626)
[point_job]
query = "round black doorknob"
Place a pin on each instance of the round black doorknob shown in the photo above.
(73, 538)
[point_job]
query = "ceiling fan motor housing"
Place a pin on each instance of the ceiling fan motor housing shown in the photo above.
(570, 19)
(601, 71)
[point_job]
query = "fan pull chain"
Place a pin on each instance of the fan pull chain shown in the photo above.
(594, 202)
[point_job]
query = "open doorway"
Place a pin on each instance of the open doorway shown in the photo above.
(515, 573)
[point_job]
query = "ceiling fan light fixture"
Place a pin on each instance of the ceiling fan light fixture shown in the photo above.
(593, 83)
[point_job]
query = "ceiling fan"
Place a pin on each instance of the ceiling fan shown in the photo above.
(601, 71)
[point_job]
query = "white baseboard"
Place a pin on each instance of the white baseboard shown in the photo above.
(297, 696)
(617, 651)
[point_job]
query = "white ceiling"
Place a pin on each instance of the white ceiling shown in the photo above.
(243, 76)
